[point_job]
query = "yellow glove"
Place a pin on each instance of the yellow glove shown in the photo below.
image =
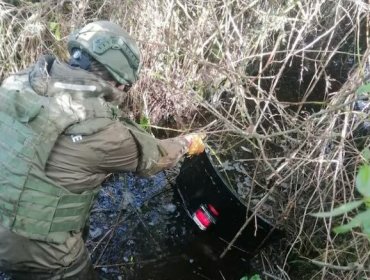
(196, 145)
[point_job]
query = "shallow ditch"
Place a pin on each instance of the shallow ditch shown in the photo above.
(142, 229)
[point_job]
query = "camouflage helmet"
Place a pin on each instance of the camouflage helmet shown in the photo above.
(110, 45)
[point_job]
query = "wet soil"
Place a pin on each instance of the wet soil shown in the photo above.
(141, 229)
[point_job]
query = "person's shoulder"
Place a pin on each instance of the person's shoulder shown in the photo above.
(17, 81)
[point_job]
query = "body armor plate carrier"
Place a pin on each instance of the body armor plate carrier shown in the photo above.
(31, 204)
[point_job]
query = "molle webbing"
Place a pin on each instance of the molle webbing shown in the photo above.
(31, 204)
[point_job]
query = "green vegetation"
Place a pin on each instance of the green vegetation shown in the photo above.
(362, 219)
(254, 277)
(272, 83)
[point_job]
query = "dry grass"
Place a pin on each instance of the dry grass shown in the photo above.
(266, 76)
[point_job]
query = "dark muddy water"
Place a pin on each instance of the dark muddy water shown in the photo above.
(152, 236)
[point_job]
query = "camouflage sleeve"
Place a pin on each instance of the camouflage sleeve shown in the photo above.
(120, 146)
(174, 149)
(154, 154)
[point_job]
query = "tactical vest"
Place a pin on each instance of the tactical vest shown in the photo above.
(31, 204)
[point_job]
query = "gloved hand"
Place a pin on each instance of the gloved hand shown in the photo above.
(195, 143)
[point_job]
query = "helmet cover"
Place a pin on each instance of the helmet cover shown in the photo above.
(110, 45)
